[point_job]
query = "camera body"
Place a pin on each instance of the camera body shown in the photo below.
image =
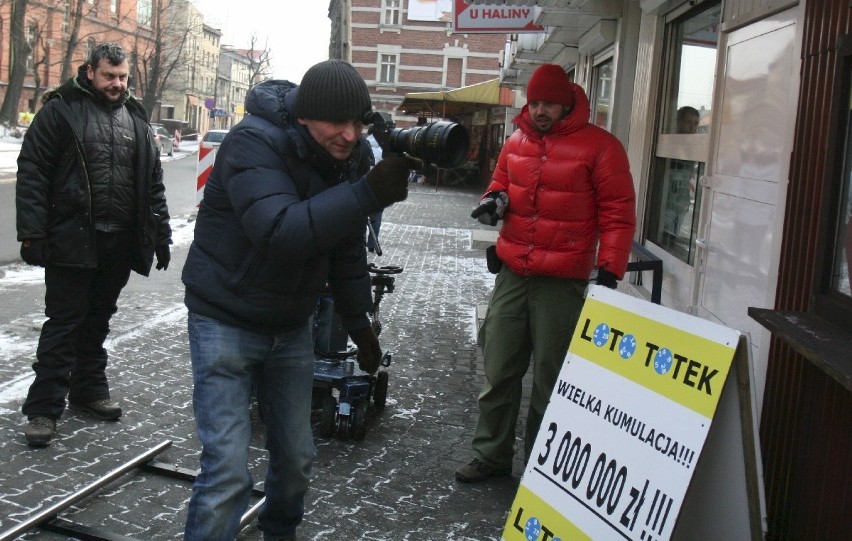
(442, 144)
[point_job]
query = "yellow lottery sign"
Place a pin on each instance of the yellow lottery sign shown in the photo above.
(625, 425)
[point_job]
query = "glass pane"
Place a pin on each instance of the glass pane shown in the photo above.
(674, 222)
(695, 41)
(674, 196)
(843, 261)
(603, 92)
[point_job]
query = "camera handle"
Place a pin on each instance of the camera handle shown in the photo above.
(372, 232)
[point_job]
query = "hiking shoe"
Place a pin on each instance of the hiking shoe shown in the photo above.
(39, 431)
(105, 409)
(476, 472)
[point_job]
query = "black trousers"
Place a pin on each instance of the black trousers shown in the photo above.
(71, 360)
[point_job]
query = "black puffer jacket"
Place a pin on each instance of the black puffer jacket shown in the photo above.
(54, 192)
(280, 218)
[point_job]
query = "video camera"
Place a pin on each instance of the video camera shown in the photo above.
(443, 144)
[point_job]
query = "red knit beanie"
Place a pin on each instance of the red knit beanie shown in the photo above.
(550, 83)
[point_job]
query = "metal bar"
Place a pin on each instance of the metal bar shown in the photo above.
(83, 533)
(185, 474)
(51, 512)
(648, 261)
(170, 470)
(372, 232)
(250, 514)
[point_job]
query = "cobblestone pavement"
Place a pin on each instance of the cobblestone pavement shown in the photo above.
(396, 484)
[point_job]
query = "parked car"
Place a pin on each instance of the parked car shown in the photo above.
(213, 138)
(165, 143)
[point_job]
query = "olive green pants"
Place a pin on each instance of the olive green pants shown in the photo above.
(527, 318)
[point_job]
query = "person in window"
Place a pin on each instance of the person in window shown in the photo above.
(564, 191)
(283, 215)
(91, 209)
(681, 180)
(688, 119)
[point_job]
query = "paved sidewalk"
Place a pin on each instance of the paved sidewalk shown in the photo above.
(397, 484)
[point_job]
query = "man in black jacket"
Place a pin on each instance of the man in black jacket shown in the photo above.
(91, 207)
(283, 215)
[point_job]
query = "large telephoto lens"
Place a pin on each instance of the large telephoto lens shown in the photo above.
(443, 144)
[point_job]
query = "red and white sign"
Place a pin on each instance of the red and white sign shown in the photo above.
(494, 18)
(206, 157)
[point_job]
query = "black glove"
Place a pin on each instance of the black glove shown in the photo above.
(35, 252)
(369, 352)
(389, 178)
(491, 207)
(606, 278)
(164, 255)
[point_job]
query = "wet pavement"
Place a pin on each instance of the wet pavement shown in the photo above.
(396, 484)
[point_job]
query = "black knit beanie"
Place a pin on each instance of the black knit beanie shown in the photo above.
(332, 90)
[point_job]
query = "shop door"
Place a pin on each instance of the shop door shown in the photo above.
(745, 188)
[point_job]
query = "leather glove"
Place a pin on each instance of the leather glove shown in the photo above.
(369, 352)
(606, 278)
(35, 252)
(491, 207)
(389, 178)
(164, 255)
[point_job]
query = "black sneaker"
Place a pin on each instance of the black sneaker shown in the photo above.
(105, 409)
(39, 431)
(476, 472)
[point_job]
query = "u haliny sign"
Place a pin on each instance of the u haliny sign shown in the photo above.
(494, 18)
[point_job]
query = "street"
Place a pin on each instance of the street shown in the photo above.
(396, 484)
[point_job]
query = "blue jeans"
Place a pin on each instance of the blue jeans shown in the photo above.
(226, 360)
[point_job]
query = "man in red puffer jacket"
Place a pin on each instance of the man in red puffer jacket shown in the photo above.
(563, 189)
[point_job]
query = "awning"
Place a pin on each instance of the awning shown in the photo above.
(455, 102)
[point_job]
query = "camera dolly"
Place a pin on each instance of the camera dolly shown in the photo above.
(342, 391)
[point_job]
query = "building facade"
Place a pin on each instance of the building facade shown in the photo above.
(48, 30)
(182, 105)
(400, 47)
(235, 73)
(736, 118)
(198, 93)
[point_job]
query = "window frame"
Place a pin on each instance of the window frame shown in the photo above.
(669, 147)
(381, 64)
(605, 58)
(391, 9)
(828, 303)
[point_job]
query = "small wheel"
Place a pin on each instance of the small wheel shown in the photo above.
(380, 391)
(357, 421)
(329, 411)
(343, 425)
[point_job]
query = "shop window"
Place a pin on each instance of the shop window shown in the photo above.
(602, 94)
(842, 268)
(682, 144)
(834, 289)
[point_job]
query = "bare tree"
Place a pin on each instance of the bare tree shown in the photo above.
(157, 58)
(19, 51)
(78, 11)
(259, 61)
(39, 52)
